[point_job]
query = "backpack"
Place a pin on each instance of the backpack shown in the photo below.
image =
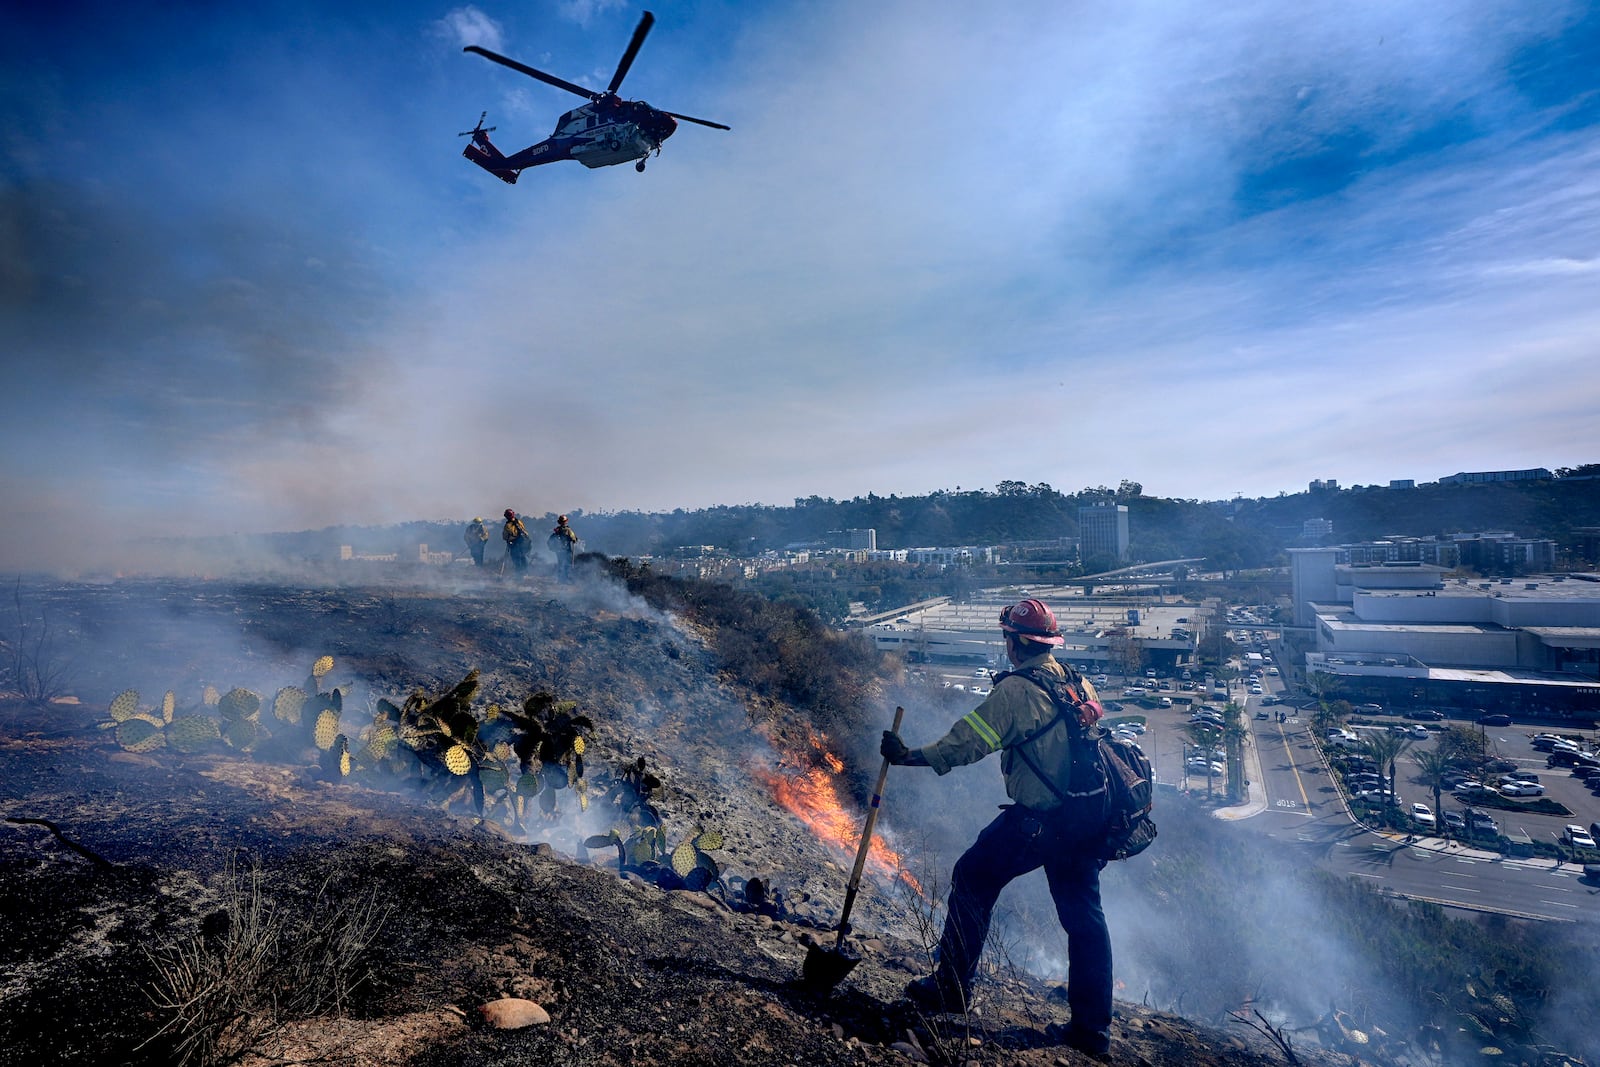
(1098, 760)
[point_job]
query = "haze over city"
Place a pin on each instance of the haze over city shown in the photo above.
(248, 283)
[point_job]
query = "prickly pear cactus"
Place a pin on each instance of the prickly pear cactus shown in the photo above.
(191, 733)
(683, 859)
(169, 704)
(287, 705)
(457, 760)
(326, 729)
(321, 668)
(381, 742)
(139, 735)
(241, 734)
(210, 698)
(239, 704)
(124, 705)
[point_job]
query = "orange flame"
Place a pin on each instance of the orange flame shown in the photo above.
(812, 793)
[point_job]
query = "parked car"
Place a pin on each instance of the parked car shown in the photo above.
(1578, 837)
(1425, 714)
(1470, 787)
(1494, 719)
(1200, 765)
(1482, 824)
(1521, 789)
(1422, 815)
(1585, 771)
(1454, 820)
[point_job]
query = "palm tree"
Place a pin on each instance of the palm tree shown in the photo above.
(1384, 749)
(1205, 738)
(1435, 767)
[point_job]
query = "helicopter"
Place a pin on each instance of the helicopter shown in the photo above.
(602, 133)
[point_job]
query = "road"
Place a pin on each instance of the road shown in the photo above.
(1305, 809)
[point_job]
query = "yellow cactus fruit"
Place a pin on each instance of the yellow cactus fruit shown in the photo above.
(287, 705)
(169, 704)
(326, 729)
(139, 735)
(456, 760)
(125, 704)
(321, 668)
(210, 697)
(191, 733)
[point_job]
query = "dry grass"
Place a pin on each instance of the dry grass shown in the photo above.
(252, 969)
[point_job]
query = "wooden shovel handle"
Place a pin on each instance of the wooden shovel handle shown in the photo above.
(866, 838)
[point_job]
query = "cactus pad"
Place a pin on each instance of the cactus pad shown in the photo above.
(326, 729)
(708, 840)
(191, 733)
(125, 704)
(139, 735)
(381, 742)
(210, 697)
(241, 734)
(494, 779)
(321, 668)
(169, 704)
(683, 859)
(239, 704)
(287, 705)
(457, 760)
(528, 785)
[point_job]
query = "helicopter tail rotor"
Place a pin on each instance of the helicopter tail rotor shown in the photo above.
(479, 128)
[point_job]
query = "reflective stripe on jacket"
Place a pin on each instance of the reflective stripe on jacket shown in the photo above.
(1015, 709)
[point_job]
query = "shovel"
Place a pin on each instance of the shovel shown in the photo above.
(826, 967)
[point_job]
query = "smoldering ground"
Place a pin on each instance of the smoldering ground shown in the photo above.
(1210, 919)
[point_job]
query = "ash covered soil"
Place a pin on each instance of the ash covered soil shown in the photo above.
(112, 861)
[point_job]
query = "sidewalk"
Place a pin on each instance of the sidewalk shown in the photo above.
(1255, 789)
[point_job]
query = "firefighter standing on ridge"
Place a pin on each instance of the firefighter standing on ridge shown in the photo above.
(518, 544)
(563, 542)
(1041, 829)
(476, 537)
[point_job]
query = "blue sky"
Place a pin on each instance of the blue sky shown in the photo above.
(248, 283)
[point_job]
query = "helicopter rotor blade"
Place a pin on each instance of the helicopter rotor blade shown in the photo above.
(702, 122)
(548, 79)
(639, 34)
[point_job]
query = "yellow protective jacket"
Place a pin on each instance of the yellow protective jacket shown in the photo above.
(1015, 709)
(514, 531)
(476, 534)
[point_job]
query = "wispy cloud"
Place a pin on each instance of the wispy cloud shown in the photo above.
(469, 25)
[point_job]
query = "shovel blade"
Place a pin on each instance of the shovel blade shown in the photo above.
(826, 967)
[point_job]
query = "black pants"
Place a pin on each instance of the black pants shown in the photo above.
(1014, 844)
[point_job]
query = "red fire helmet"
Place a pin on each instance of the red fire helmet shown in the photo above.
(1031, 619)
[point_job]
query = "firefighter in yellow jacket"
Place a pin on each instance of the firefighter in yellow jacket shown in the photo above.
(518, 544)
(1048, 826)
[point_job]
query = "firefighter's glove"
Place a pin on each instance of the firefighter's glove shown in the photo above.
(895, 751)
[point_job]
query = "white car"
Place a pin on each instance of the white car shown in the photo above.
(1272, 672)
(1578, 837)
(1200, 765)
(1422, 815)
(1521, 789)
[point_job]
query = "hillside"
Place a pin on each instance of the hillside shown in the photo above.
(385, 911)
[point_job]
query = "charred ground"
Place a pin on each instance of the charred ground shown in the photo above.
(110, 861)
